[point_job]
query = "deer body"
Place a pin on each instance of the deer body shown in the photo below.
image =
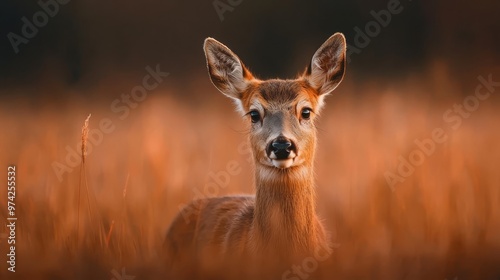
(280, 221)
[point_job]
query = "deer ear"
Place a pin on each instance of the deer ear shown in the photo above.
(328, 65)
(227, 72)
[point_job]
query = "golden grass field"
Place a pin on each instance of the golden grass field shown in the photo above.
(442, 222)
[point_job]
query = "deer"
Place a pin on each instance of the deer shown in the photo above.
(280, 221)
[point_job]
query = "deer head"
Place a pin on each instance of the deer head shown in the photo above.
(281, 112)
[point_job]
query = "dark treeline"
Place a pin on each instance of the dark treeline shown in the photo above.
(82, 41)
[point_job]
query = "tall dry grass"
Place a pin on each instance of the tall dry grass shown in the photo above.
(442, 222)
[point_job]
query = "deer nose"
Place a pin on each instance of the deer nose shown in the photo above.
(281, 147)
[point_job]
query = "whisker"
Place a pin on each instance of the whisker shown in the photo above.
(319, 128)
(239, 131)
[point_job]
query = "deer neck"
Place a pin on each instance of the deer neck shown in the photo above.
(285, 208)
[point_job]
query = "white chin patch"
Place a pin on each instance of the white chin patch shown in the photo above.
(283, 163)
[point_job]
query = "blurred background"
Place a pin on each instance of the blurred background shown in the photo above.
(87, 43)
(410, 63)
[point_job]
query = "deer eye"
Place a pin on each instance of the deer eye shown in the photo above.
(255, 116)
(306, 113)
